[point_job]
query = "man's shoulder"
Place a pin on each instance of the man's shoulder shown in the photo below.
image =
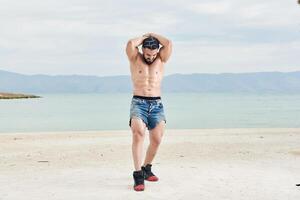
(136, 58)
(159, 56)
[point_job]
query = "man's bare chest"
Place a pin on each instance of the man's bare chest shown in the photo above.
(142, 69)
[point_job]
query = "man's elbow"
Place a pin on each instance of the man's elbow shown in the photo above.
(168, 44)
(129, 43)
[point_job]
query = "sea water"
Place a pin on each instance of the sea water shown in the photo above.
(85, 112)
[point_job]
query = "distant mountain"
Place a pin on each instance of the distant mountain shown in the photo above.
(224, 82)
(235, 82)
(13, 82)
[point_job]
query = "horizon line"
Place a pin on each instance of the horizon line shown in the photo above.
(193, 73)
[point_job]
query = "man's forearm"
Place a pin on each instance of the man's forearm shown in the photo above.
(162, 40)
(137, 41)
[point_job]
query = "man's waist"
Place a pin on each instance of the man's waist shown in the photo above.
(146, 97)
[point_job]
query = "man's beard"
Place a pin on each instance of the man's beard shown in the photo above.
(148, 61)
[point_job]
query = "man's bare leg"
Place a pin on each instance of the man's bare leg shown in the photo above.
(155, 137)
(138, 128)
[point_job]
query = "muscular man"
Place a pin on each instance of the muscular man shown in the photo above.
(146, 109)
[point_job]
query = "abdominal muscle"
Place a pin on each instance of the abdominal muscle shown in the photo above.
(148, 87)
(147, 79)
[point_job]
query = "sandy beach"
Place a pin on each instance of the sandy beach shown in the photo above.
(191, 164)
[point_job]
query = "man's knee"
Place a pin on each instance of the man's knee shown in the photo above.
(138, 135)
(155, 141)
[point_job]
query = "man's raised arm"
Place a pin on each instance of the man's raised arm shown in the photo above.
(166, 49)
(132, 47)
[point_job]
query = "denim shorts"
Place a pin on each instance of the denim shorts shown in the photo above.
(148, 109)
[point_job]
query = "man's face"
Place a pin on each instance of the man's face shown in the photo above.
(149, 55)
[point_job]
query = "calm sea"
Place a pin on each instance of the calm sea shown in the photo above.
(81, 112)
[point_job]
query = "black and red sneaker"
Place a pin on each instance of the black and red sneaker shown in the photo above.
(138, 177)
(148, 175)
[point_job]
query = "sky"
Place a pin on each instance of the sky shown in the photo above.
(88, 37)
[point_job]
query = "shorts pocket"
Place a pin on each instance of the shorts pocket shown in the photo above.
(137, 101)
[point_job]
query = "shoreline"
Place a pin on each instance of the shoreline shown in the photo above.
(191, 131)
(6, 95)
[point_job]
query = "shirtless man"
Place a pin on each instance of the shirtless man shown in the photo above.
(146, 105)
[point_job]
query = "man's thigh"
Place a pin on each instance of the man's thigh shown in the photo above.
(137, 125)
(156, 133)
